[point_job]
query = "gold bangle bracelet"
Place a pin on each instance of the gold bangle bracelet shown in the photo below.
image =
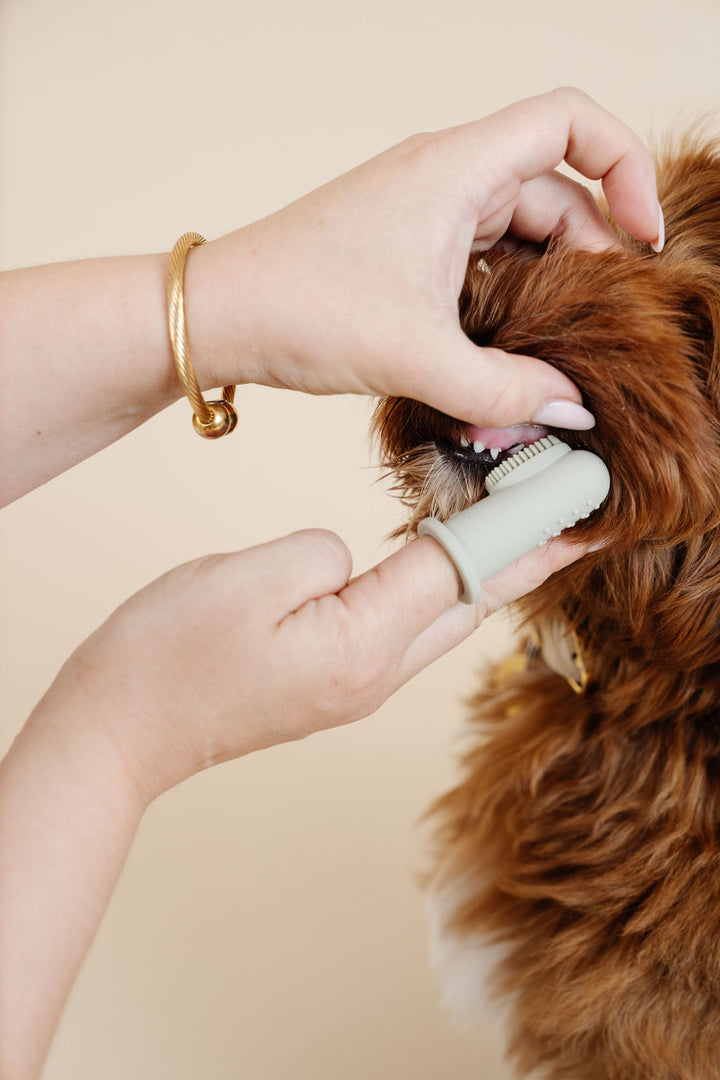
(211, 419)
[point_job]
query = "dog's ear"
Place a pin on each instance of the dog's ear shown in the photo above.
(633, 332)
(639, 334)
(689, 191)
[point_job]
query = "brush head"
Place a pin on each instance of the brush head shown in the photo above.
(532, 496)
(525, 463)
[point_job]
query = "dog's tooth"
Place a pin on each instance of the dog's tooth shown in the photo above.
(494, 452)
(464, 441)
(478, 446)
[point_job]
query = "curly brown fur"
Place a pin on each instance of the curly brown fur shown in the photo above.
(584, 837)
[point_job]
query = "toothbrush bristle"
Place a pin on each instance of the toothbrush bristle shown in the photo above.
(500, 471)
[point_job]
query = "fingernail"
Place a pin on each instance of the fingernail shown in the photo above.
(564, 414)
(659, 244)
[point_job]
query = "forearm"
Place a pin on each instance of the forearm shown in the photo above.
(85, 358)
(85, 355)
(68, 815)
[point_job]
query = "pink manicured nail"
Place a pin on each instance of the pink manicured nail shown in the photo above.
(659, 244)
(564, 414)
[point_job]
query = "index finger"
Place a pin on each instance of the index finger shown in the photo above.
(408, 591)
(533, 136)
(406, 610)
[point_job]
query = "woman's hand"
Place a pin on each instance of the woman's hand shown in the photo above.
(218, 658)
(232, 653)
(351, 289)
(354, 288)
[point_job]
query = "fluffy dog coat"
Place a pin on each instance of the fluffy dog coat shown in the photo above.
(583, 842)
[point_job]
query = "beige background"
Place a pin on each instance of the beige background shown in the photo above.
(267, 924)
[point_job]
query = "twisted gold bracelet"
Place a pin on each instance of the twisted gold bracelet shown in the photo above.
(211, 419)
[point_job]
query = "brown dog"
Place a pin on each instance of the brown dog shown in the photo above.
(584, 841)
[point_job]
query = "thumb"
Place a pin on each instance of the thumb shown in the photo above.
(492, 388)
(292, 570)
(509, 584)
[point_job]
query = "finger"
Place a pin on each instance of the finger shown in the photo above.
(401, 596)
(449, 629)
(533, 136)
(554, 205)
(489, 387)
(295, 569)
(410, 591)
(509, 584)
(360, 634)
(521, 577)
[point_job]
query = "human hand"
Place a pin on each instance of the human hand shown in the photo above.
(354, 288)
(232, 653)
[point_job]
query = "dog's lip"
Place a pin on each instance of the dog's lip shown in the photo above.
(487, 438)
(487, 447)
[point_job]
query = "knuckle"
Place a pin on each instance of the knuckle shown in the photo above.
(419, 138)
(361, 678)
(353, 690)
(447, 141)
(206, 566)
(349, 668)
(365, 679)
(425, 148)
(570, 94)
(326, 546)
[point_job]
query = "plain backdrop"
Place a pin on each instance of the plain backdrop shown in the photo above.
(268, 924)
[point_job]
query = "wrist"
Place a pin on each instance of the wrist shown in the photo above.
(68, 816)
(71, 727)
(222, 283)
(127, 710)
